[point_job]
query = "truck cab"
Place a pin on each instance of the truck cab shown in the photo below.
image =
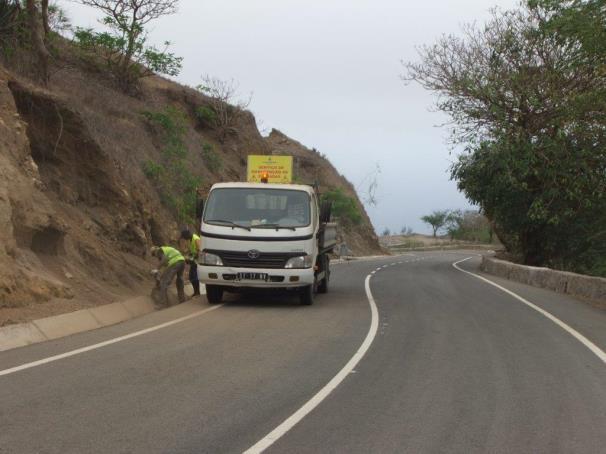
(260, 235)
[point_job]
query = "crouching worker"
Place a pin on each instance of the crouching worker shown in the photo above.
(172, 263)
(194, 247)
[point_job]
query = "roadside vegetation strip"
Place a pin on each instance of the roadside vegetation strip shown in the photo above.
(312, 403)
(115, 340)
(574, 333)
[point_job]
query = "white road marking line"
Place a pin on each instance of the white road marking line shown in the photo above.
(115, 340)
(312, 403)
(574, 333)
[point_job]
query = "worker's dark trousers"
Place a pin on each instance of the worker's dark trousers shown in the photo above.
(167, 277)
(193, 277)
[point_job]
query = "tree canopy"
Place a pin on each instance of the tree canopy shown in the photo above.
(436, 220)
(525, 96)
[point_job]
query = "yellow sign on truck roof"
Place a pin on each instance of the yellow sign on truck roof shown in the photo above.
(276, 169)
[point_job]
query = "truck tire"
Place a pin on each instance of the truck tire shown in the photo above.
(323, 285)
(306, 295)
(214, 294)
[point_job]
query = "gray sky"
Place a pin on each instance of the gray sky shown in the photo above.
(326, 73)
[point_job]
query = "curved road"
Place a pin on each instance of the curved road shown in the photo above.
(456, 365)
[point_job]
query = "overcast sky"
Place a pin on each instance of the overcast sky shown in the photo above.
(326, 73)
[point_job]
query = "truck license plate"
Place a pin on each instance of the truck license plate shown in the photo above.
(252, 276)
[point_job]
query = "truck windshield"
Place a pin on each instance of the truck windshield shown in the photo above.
(258, 208)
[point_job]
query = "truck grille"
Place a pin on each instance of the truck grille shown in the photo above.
(272, 260)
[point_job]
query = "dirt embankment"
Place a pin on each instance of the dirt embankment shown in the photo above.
(77, 213)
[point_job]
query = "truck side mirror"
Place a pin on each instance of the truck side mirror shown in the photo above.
(200, 208)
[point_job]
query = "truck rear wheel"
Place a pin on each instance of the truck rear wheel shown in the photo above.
(214, 294)
(306, 295)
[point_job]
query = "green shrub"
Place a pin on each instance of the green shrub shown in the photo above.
(152, 169)
(344, 207)
(211, 158)
(172, 178)
(127, 55)
(206, 115)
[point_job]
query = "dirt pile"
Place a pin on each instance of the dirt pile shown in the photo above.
(77, 210)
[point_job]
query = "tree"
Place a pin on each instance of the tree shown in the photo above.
(369, 185)
(453, 223)
(225, 106)
(386, 232)
(124, 46)
(37, 14)
(26, 31)
(577, 24)
(406, 231)
(56, 19)
(9, 21)
(468, 225)
(527, 108)
(437, 220)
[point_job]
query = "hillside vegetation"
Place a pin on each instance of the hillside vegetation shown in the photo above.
(91, 176)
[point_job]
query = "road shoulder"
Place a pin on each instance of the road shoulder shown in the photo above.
(583, 317)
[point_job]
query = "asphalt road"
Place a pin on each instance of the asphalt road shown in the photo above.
(456, 366)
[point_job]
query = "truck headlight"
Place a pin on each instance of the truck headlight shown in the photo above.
(303, 261)
(211, 259)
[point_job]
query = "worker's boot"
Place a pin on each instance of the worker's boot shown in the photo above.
(181, 294)
(196, 286)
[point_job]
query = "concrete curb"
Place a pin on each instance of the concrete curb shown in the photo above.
(55, 327)
(578, 285)
(461, 247)
(13, 336)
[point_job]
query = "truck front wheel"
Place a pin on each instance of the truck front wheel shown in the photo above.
(306, 295)
(214, 294)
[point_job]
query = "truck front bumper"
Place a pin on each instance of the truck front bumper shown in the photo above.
(237, 277)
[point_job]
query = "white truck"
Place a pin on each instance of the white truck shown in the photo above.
(260, 235)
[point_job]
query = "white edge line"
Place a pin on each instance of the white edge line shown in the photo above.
(115, 340)
(574, 333)
(312, 403)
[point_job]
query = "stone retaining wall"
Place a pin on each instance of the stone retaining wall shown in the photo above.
(579, 285)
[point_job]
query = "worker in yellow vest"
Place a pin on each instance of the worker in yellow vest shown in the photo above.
(172, 263)
(194, 246)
